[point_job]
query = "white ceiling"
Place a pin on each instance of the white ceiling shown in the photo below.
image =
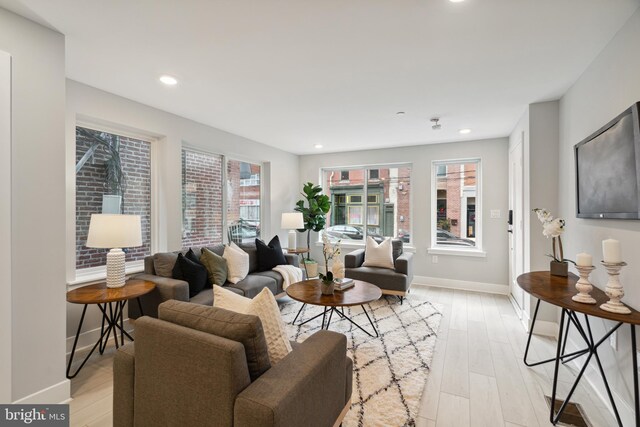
(294, 73)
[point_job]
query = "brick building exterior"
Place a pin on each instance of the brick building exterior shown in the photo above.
(201, 199)
(135, 157)
(388, 199)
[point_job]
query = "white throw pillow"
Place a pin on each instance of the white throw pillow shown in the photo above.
(237, 263)
(264, 306)
(378, 255)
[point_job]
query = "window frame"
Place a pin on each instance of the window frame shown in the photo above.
(77, 276)
(365, 194)
(435, 248)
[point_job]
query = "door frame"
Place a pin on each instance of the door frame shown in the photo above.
(516, 247)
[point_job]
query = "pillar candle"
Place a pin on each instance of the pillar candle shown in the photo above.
(611, 251)
(584, 260)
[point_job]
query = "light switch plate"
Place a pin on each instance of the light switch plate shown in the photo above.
(495, 213)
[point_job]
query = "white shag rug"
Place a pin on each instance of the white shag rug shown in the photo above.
(389, 372)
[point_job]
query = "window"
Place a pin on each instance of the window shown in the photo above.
(113, 175)
(455, 197)
(201, 199)
(243, 201)
(382, 202)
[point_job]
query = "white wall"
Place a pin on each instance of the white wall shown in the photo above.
(281, 183)
(493, 269)
(5, 226)
(607, 87)
(539, 130)
(37, 210)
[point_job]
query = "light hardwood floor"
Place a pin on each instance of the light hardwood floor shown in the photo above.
(477, 377)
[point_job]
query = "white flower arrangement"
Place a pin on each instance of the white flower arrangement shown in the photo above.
(329, 251)
(552, 227)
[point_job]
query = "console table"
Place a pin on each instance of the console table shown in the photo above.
(111, 302)
(558, 291)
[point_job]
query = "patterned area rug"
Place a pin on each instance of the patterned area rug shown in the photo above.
(390, 372)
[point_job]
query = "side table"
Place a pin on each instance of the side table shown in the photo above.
(111, 302)
(300, 252)
(559, 291)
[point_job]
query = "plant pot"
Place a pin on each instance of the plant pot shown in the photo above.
(559, 268)
(326, 287)
(311, 268)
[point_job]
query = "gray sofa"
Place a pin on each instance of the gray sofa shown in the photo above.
(391, 282)
(191, 368)
(168, 288)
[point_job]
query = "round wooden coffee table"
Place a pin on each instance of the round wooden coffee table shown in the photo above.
(111, 302)
(308, 292)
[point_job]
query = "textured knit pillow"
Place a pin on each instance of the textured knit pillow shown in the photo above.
(269, 255)
(378, 255)
(264, 306)
(237, 263)
(191, 272)
(216, 267)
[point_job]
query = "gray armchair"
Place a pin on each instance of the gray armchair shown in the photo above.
(204, 366)
(391, 282)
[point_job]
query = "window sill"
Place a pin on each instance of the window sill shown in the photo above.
(357, 245)
(478, 253)
(88, 276)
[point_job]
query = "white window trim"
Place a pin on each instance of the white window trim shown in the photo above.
(96, 274)
(339, 169)
(436, 249)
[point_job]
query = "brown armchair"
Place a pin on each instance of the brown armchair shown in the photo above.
(179, 373)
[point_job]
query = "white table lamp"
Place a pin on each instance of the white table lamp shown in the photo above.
(111, 231)
(292, 221)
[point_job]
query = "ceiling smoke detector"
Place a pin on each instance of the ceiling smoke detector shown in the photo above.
(436, 125)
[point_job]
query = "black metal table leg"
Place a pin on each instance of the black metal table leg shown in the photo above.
(75, 343)
(570, 356)
(554, 387)
(300, 311)
(330, 315)
(370, 321)
(121, 303)
(324, 313)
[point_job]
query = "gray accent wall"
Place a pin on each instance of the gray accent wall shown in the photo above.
(609, 85)
(37, 285)
(492, 269)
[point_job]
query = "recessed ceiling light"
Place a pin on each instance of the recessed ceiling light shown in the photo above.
(464, 131)
(168, 80)
(400, 113)
(317, 146)
(456, 1)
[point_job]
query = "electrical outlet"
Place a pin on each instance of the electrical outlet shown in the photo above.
(613, 340)
(434, 259)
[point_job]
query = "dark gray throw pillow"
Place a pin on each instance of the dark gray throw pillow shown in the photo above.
(191, 272)
(243, 328)
(163, 263)
(269, 255)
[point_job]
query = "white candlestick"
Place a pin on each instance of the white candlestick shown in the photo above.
(584, 260)
(611, 251)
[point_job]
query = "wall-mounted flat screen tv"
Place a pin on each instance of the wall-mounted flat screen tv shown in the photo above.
(608, 169)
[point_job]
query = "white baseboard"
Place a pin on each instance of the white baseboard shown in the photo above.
(88, 339)
(462, 285)
(57, 393)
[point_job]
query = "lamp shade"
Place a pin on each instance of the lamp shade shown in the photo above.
(292, 221)
(114, 231)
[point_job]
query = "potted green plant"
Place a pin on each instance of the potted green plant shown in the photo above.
(314, 215)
